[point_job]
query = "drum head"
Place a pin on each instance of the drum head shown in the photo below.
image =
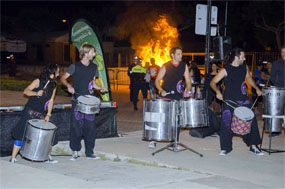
(244, 113)
(89, 100)
(39, 123)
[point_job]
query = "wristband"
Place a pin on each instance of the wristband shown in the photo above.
(49, 115)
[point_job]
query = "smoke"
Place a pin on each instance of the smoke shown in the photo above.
(137, 24)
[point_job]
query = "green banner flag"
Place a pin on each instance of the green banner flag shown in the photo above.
(83, 32)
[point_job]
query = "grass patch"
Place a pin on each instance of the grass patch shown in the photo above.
(117, 159)
(103, 157)
(60, 151)
(154, 164)
(135, 161)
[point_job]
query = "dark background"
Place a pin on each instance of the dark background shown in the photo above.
(253, 25)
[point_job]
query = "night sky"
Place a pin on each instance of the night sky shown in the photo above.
(245, 19)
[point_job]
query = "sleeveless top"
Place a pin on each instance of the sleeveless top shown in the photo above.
(236, 88)
(172, 80)
(83, 78)
(40, 104)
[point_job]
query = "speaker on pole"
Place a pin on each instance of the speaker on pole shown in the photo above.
(221, 46)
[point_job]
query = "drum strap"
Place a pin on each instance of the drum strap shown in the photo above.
(35, 114)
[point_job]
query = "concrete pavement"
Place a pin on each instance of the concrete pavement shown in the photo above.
(126, 162)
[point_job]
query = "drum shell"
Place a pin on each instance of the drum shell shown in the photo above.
(87, 109)
(37, 143)
(274, 101)
(159, 120)
(245, 126)
(273, 124)
(193, 113)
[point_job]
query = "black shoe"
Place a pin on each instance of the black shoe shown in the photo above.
(136, 108)
(92, 156)
(255, 150)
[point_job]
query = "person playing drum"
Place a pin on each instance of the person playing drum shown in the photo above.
(172, 74)
(41, 92)
(83, 74)
(234, 73)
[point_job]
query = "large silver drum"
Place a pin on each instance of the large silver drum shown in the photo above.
(193, 113)
(88, 104)
(38, 140)
(159, 120)
(274, 103)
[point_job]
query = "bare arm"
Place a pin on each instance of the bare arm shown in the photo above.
(159, 77)
(187, 80)
(251, 82)
(217, 79)
(63, 80)
(264, 76)
(29, 89)
(50, 106)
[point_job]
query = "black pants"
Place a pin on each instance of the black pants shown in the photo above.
(82, 126)
(226, 134)
(137, 86)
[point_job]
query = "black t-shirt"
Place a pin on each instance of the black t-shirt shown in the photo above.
(172, 80)
(82, 77)
(236, 88)
(40, 104)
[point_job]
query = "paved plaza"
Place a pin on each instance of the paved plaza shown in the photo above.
(127, 162)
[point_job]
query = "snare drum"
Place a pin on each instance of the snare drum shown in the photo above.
(193, 113)
(88, 104)
(159, 120)
(242, 119)
(38, 140)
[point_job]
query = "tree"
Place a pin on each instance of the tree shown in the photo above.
(267, 17)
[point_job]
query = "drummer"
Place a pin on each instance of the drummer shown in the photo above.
(172, 73)
(41, 92)
(234, 73)
(83, 75)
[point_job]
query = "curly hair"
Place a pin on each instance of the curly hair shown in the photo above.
(49, 74)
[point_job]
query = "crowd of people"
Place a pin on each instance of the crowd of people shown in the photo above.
(178, 80)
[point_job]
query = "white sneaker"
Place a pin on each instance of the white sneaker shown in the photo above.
(51, 160)
(223, 153)
(74, 156)
(13, 160)
(177, 148)
(152, 144)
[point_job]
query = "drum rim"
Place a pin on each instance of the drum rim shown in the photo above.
(245, 108)
(89, 96)
(163, 100)
(273, 88)
(55, 127)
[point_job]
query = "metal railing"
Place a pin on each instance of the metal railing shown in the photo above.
(119, 75)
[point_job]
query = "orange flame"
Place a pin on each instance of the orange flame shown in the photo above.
(159, 46)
